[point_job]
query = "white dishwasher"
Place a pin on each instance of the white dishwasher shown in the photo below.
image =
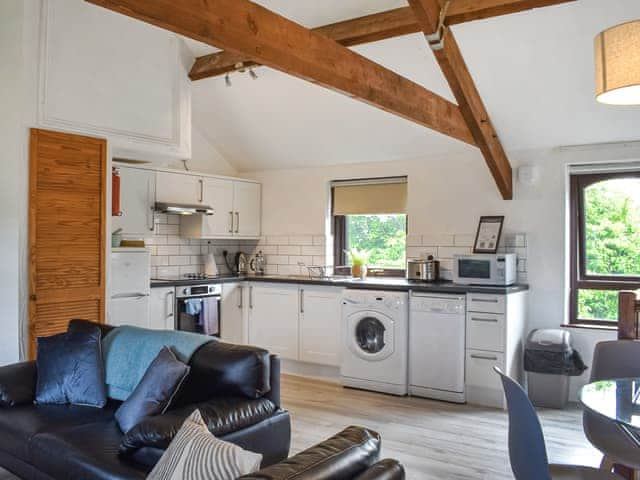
(437, 346)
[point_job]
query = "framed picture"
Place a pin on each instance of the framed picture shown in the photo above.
(488, 235)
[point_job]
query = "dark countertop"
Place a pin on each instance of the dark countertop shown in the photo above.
(371, 283)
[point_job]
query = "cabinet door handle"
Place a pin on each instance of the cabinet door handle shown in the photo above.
(237, 222)
(485, 300)
(151, 187)
(152, 226)
(240, 300)
(201, 189)
(302, 300)
(484, 357)
(488, 320)
(170, 306)
(251, 297)
(231, 221)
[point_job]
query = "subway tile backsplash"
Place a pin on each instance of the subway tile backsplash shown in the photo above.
(286, 254)
(173, 255)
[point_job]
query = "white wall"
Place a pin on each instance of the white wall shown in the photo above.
(205, 157)
(11, 139)
(448, 195)
(20, 49)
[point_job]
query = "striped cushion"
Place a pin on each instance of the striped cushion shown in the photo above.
(195, 454)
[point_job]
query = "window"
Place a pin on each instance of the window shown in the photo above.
(371, 215)
(605, 244)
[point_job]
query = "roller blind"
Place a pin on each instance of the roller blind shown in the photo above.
(370, 197)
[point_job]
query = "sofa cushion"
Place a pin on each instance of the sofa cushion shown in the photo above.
(221, 369)
(70, 369)
(195, 454)
(222, 416)
(83, 452)
(18, 425)
(155, 391)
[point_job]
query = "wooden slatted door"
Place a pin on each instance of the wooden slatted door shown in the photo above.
(67, 231)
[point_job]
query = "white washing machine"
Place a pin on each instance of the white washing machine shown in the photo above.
(375, 351)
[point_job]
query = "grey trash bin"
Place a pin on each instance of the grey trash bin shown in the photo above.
(549, 360)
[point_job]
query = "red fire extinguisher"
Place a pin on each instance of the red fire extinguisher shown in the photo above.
(115, 193)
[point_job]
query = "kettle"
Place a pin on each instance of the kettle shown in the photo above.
(241, 263)
(258, 263)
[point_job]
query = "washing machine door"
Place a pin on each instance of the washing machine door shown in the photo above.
(370, 335)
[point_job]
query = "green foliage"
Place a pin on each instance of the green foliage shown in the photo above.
(358, 257)
(382, 236)
(612, 231)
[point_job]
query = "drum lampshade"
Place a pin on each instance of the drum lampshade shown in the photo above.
(617, 56)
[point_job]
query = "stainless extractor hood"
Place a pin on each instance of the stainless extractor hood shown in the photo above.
(183, 209)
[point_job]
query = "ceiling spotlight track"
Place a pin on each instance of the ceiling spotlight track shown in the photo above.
(240, 68)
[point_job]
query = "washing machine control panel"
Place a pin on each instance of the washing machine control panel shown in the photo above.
(386, 300)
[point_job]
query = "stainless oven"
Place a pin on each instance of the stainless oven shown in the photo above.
(198, 309)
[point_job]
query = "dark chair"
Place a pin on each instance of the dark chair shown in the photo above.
(613, 359)
(527, 450)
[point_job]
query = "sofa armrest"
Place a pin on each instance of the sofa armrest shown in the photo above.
(18, 384)
(383, 470)
(274, 393)
(345, 455)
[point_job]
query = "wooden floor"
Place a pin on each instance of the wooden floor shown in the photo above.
(433, 440)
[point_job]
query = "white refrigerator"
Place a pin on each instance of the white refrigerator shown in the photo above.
(130, 287)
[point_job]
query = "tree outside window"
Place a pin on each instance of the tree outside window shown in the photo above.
(605, 244)
(384, 236)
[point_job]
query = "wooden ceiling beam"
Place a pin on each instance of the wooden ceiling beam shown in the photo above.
(455, 70)
(246, 28)
(378, 26)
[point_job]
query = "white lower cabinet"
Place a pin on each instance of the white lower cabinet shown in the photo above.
(296, 322)
(320, 331)
(495, 332)
(232, 326)
(273, 319)
(162, 308)
(482, 383)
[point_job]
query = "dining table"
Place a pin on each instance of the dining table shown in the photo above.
(617, 400)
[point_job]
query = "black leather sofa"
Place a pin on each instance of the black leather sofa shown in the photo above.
(237, 390)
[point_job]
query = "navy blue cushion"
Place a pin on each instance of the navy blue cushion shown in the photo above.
(153, 395)
(70, 369)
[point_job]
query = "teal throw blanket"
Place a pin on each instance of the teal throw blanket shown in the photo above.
(128, 352)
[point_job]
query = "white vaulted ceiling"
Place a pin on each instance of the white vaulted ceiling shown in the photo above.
(534, 71)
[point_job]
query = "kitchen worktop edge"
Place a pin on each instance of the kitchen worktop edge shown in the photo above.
(379, 283)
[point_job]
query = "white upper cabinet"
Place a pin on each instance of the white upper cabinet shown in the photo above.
(104, 74)
(246, 209)
(218, 194)
(137, 197)
(236, 205)
(179, 188)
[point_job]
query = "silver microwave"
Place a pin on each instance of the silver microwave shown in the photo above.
(485, 269)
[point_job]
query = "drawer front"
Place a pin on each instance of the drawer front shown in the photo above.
(481, 302)
(485, 331)
(483, 385)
